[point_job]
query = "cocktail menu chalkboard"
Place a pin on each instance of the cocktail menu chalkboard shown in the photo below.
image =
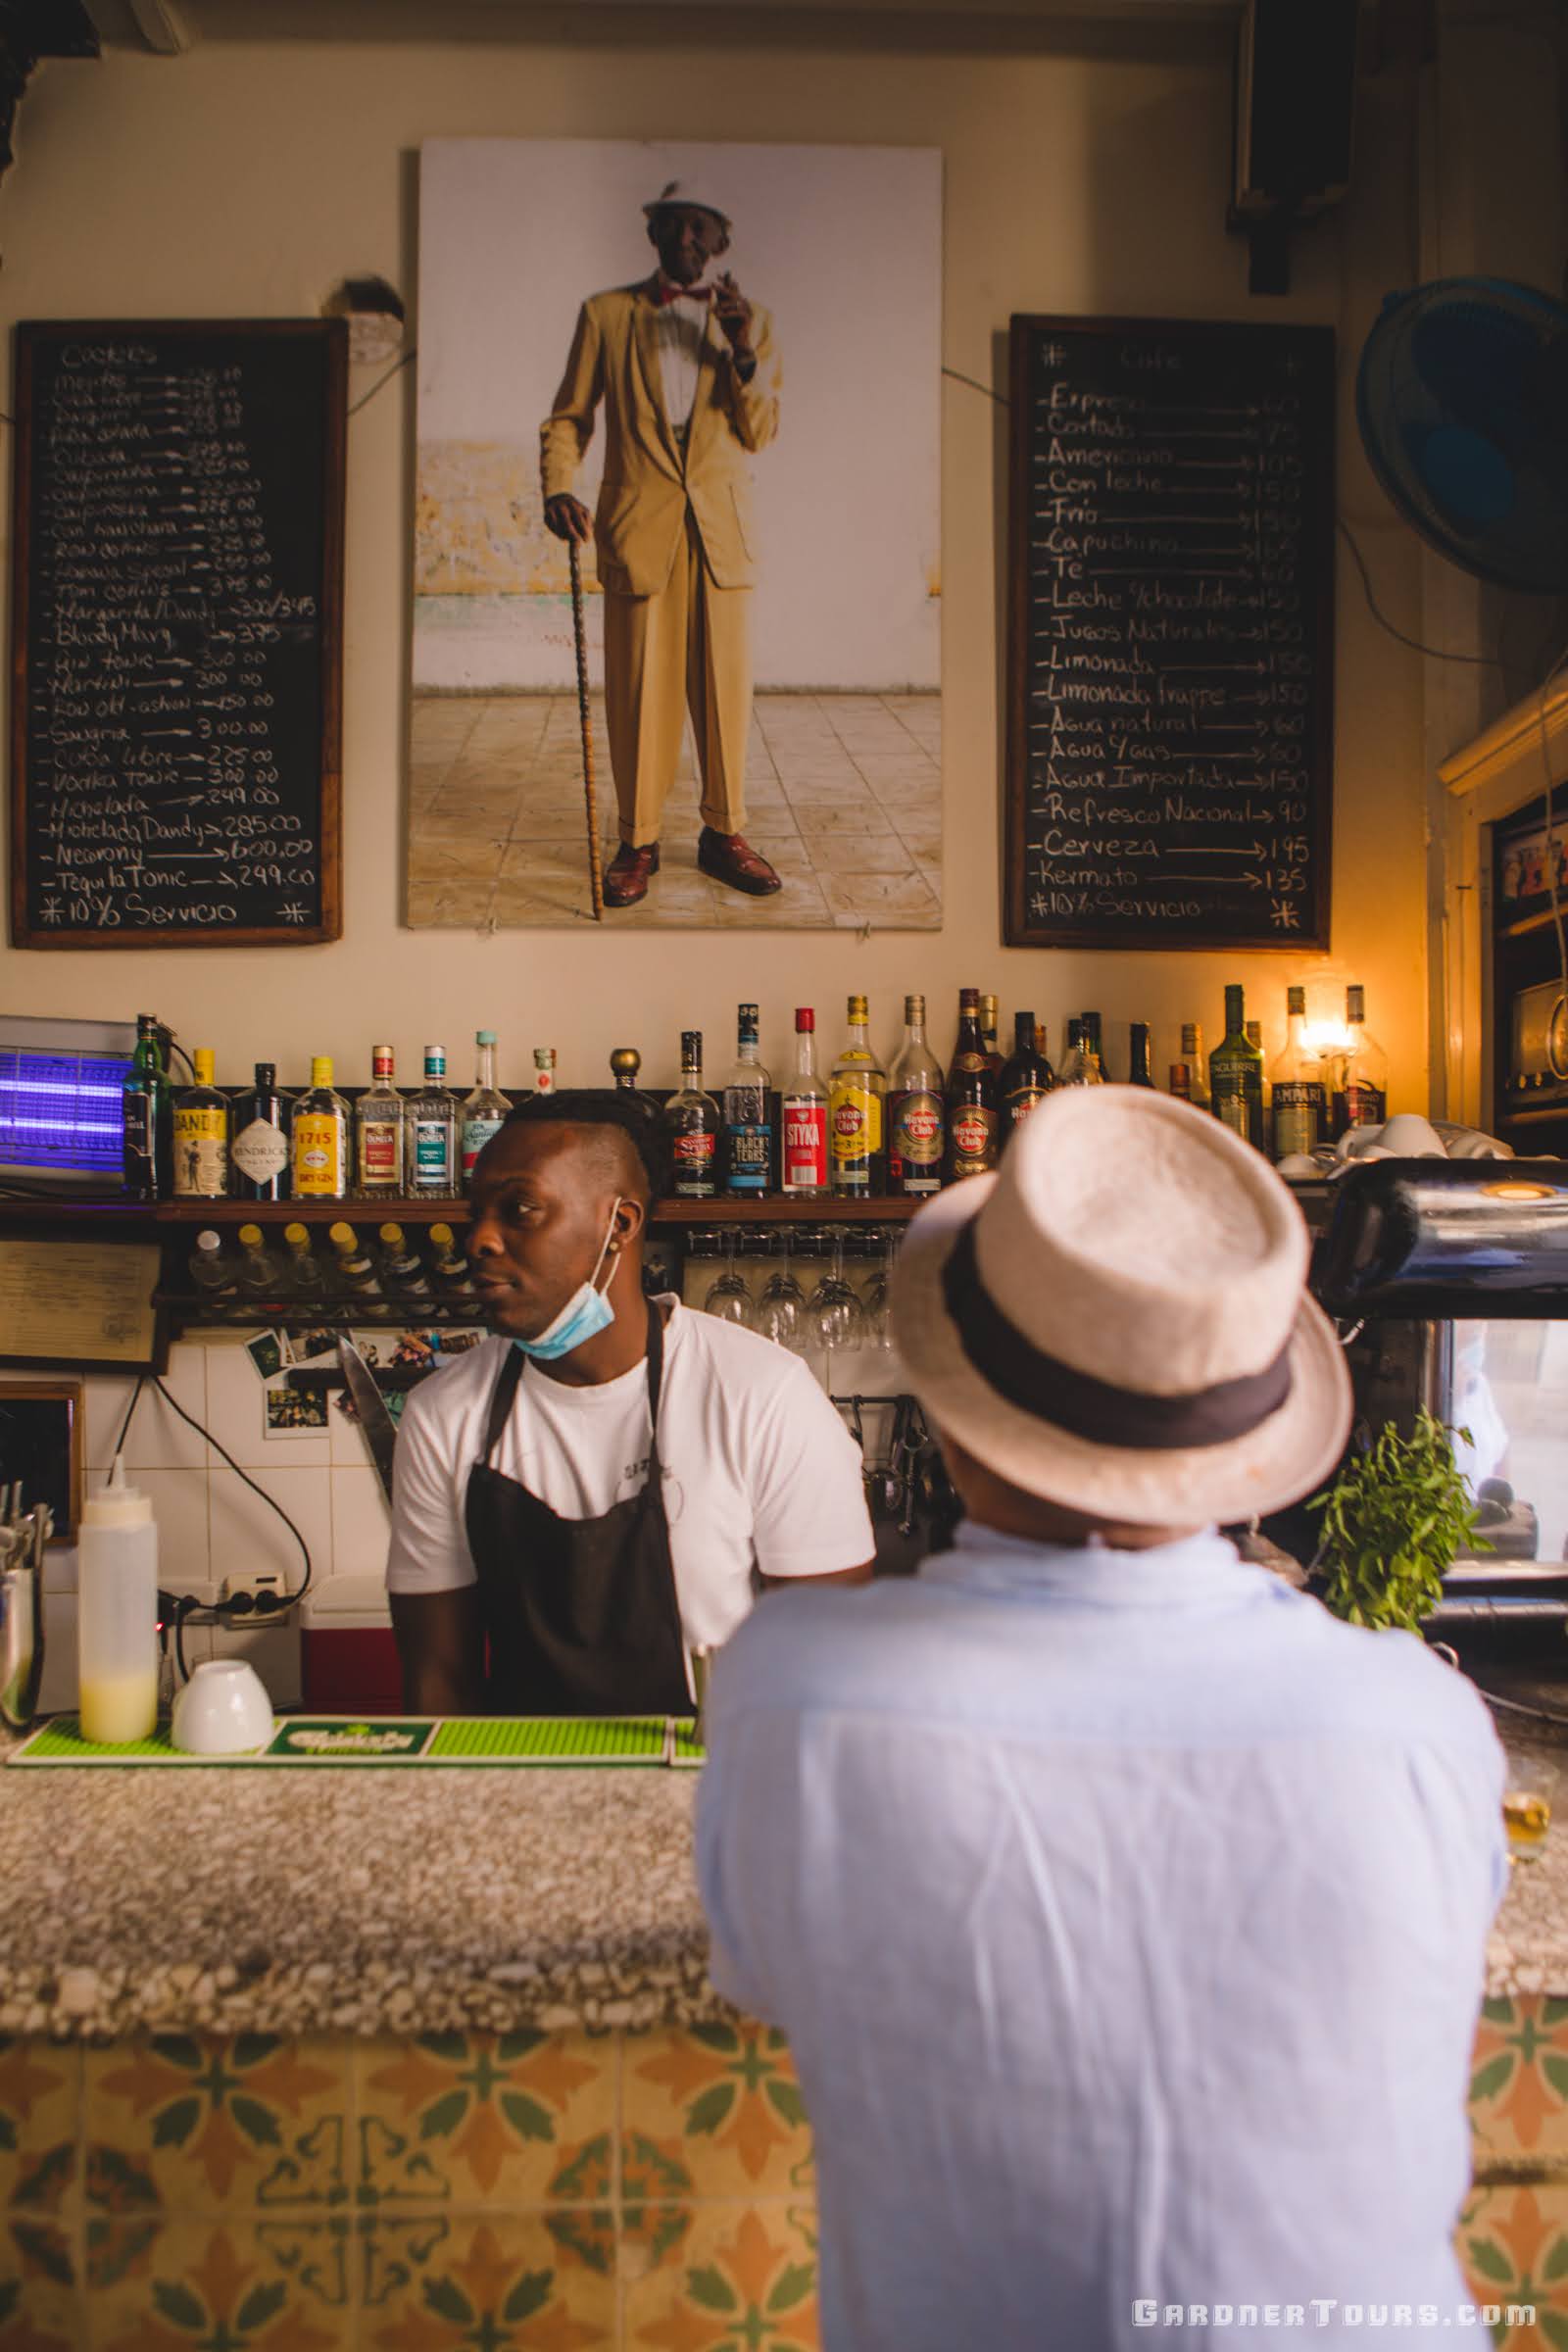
(176, 634)
(1170, 728)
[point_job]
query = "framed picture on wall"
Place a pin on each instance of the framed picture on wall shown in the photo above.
(42, 1448)
(749, 463)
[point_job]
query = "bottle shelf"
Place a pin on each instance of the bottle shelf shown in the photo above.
(137, 1215)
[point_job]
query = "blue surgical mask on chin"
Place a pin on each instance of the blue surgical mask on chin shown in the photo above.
(586, 1313)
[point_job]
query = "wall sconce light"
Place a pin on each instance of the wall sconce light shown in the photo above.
(374, 313)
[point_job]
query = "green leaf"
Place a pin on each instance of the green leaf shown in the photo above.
(1555, 2325)
(1489, 2080)
(722, 2038)
(179, 2049)
(513, 2046)
(1557, 2260)
(445, 2116)
(178, 2303)
(258, 2123)
(450, 2048)
(1489, 2260)
(710, 2288)
(449, 2302)
(49, 2178)
(8, 2132)
(251, 2048)
(792, 2286)
(784, 2097)
(527, 2117)
(707, 2113)
(259, 2305)
(530, 2294)
(1555, 2068)
(173, 2126)
(45, 2249)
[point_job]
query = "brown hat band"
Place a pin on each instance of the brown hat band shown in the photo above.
(1094, 1410)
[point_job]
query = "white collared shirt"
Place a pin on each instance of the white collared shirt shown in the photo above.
(1126, 1914)
(680, 329)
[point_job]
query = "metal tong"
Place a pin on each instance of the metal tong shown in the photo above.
(22, 1537)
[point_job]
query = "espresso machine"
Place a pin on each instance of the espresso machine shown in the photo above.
(1449, 1283)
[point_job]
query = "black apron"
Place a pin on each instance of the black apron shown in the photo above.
(580, 1616)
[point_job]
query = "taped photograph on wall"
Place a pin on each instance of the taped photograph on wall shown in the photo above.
(705, 378)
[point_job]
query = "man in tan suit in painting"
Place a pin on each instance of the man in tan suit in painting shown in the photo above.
(689, 377)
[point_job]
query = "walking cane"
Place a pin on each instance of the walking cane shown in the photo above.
(586, 718)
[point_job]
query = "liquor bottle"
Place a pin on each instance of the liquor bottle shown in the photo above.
(972, 1096)
(259, 1270)
(1139, 1072)
(432, 1121)
(318, 1138)
(1236, 1075)
(209, 1269)
(1255, 1038)
(448, 1265)
(917, 1121)
(354, 1270)
(381, 1132)
(624, 1064)
(990, 1015)
(1027, 1077)
(1301, 1104)
(691, 1127)
(805, 1115)
(400, 1271)
(1362, 1080)
(201, 1136)
(147, 1113)
(303, 1271)
(484, 1111)
(544, 1070)
(856, 1108)
(1094, 1043)
(1180, 1081)
(259, 1154)
(1081, 1065)
(1197, 1066)
(748, 1123)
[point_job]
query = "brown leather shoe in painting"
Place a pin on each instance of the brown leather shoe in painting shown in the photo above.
(730, 858)
(627, 876)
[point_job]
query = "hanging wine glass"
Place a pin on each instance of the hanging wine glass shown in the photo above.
(781, 1308)
(834, 1315)
(729, 1299)
(878, 1297)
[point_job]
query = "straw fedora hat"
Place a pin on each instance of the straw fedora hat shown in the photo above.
(1117, 1320)
(691, 193)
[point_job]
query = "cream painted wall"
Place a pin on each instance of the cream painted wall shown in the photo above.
(248, 180)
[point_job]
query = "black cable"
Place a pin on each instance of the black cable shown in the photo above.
(265, 1604)
(975, 385)
(125, 1426)
(182, 1609)
(1516, 1707)
(1434, 652)
(411, 353)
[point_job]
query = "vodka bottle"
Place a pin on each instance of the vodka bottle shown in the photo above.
(485, 1110)
(805, 1115)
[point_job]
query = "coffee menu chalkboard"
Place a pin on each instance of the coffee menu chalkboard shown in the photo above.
(1170, 729)
(176, 634)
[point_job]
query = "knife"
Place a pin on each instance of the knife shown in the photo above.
(380, 1430)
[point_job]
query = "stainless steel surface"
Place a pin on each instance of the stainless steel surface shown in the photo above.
(380, 1430)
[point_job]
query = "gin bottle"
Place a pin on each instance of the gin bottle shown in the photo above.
(378, 1130)
(1235, 1074)
(259, 1154)
(201, 1136)
(432, 1121)
(320, 1138)
(485, 1110)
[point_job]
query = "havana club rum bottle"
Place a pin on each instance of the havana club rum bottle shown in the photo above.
(917, 1124)
(1027, 1077)
(972, 1106)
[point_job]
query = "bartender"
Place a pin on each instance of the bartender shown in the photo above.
(607, 1482)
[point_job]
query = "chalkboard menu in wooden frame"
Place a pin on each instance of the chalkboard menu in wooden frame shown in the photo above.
(176, 634)
(1172, 660)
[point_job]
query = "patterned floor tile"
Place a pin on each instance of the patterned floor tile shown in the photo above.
(39, 2305)
(193, 2125)
(712, 2110)
(195, 2287)
(1513, 2246)
(1519, 2081)
(484, 2120)
(719, 2279)
(40, 2091)
(449, 2282)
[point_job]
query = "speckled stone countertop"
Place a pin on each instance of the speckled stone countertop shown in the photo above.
(358, 1901)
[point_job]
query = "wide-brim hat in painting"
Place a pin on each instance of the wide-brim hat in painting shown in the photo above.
(697, 192)
(1117, 1319)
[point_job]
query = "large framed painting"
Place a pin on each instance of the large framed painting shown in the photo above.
(712, 374)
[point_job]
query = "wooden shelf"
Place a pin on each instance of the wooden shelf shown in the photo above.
(138, 1216)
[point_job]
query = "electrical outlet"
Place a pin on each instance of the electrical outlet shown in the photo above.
(258, 1580)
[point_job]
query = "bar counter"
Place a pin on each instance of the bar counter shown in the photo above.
(428, 2057)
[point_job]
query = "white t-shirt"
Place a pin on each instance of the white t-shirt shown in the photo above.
(760, 1472)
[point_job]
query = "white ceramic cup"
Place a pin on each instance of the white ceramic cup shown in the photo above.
(223, 1710)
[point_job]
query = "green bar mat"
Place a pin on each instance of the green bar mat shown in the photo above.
(550, 1740)
(397, 1741)
(685, 1747)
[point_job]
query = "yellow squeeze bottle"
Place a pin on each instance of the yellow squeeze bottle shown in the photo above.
(117, 1614)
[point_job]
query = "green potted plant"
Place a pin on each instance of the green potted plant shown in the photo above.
(1393, 1523)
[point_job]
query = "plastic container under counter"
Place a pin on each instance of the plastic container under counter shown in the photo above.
(348, 1651)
